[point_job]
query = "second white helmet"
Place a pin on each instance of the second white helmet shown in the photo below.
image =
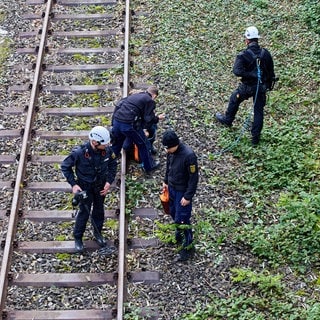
(100, 134)
(252, 33)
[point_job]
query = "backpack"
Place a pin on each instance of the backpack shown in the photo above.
(257, 58)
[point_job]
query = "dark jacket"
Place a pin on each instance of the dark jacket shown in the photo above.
(137, 108)
(93, 168)
(245, 65)
(182, 171)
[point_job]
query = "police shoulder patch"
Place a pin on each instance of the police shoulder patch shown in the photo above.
(192, 168)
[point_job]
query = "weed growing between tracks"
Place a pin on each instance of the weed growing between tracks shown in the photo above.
(4, 48)
(271, 191)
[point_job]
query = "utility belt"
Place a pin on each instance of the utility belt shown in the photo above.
(94, 186)
(136, 123)
(249, 89)
(124, 120)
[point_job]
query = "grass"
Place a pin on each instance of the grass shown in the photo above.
(274, 213)
(277, 215)
(4, 46)
(4, 52)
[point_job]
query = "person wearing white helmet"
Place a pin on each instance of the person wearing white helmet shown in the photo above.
(90, 169)
(255, 67)
(99, 136)
(252, 33)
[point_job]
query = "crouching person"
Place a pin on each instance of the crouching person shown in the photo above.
(91, 169)
(181, 179)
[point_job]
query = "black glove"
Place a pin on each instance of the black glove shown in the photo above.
(270, 84)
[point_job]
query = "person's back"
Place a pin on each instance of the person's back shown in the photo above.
(250, 60)
(133, 107)
(131, 115)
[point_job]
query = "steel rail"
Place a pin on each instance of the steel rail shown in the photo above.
(122, 276)
(122, 264)
(17, 194)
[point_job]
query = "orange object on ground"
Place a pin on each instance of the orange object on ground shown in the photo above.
(136, 153)
(164, 197)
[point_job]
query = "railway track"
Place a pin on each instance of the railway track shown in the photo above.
(56, 23)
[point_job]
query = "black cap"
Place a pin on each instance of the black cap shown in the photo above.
(170, 139)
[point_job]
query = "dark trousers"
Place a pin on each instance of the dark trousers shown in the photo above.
(181, 216)
(122, 131)
(244, 92)
(95, 201)
(152, 135)
(128, 143)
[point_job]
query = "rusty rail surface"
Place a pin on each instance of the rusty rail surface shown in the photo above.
(119, 277)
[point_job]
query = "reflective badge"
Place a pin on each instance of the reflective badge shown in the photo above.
(193, 168)
(113, 156)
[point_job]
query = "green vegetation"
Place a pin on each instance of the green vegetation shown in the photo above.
(135, 191)
(276, 185)
(4, 45)
(4, 50)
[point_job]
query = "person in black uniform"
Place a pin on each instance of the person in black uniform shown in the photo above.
(181, 179)
(95, 169)
(133, 116)
(254, 82)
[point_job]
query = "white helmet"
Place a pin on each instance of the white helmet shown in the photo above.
(100, 134)
(252, 33)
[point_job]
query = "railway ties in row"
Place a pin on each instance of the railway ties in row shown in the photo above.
(28, 133)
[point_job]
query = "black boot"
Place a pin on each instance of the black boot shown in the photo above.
(185, 254)
(222, 119)
(255, 140)
(78, 245)
(99, 239)
(155, 167)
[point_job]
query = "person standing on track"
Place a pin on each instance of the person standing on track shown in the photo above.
(133, 116)
(181, 179)
(255, 81)
(90, 169)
